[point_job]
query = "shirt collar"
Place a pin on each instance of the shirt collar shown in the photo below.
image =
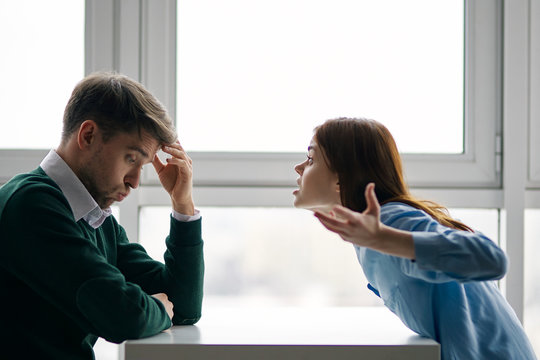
(81, 202)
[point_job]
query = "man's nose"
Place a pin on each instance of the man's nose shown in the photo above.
(133, 178)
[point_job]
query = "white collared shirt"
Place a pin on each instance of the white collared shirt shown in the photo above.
(81, 202)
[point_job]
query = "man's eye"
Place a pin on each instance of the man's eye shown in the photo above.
(131, 159)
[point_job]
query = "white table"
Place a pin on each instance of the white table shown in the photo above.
(287, 333)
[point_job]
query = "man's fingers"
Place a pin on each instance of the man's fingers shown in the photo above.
(158, 165)
(176, 150)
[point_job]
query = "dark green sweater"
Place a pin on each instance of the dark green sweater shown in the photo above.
(65, 283)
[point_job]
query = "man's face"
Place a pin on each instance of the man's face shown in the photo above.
(114, 167)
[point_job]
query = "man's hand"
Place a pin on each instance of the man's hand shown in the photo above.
(165, 301)
(176, 177)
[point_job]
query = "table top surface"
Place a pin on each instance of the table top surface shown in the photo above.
(357, 326)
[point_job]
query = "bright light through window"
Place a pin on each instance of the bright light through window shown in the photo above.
(260, 75)
(279, 256)
(289, 260)
(532, 277)
(42, 45)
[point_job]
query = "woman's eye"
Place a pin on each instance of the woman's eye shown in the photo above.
(309, 159)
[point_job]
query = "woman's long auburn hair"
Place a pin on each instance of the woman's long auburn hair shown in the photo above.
(361, 151)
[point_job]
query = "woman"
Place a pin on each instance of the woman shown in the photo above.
(432, 271)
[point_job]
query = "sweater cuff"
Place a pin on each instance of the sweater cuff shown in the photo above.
(185, 233)
(186, 218)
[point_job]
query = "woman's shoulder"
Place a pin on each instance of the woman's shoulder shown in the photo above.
(396, 207)
(401, 215)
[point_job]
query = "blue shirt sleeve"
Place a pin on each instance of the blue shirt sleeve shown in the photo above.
(444, 254)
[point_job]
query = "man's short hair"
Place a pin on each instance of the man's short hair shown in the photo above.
(117, 104)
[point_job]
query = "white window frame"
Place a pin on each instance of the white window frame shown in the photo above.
(471, 179)
(138, 38)
(477, 167)
(533, 179)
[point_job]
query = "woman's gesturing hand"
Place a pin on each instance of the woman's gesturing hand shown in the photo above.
(358, 228)
(365, 229)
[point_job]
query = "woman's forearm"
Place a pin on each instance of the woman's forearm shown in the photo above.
(394, 242)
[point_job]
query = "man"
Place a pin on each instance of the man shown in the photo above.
(67, 270)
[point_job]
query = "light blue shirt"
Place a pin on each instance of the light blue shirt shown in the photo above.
(81, 202)
(446, 293)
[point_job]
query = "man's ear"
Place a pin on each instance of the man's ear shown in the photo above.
(88, 132)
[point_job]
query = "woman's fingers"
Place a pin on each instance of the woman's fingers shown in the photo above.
(344, 212)
(372, 203)
(330, 223)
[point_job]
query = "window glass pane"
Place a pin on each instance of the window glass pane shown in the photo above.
(485, 221)
(42, 44)
(532, 277)
(267, 257)
(259, 75)
(279, 256)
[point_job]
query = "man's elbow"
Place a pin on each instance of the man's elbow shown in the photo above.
(185, 321)
(139, 327)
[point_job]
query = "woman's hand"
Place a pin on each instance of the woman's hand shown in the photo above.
(358, 228)
(176, 177)
(365, 229)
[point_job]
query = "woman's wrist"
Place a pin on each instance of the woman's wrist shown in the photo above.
(395, 242)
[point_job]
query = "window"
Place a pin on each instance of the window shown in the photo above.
(41, 62)
(258, 76)
(275, 256)
(532, 213)
(255, 178)
(532, 277)
(241, 100)
(267, 256)
(222, 71)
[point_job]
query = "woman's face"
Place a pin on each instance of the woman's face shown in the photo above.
(318, 186)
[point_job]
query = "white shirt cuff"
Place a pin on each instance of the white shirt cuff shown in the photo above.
(186, 218)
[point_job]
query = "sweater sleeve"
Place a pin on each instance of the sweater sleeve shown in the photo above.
(182, 275)
(444, 254)
(56, 259)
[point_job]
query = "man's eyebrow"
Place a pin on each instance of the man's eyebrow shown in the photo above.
(136, 148)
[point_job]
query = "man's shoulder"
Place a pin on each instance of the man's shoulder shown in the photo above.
(33, 183)
(36, 177)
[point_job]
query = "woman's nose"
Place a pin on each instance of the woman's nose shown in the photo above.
(299, 168)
